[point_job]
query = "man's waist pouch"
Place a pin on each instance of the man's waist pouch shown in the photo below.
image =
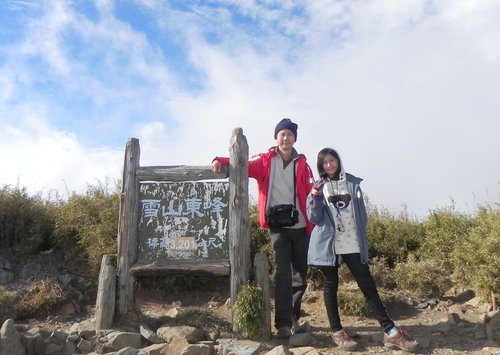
(282, 216)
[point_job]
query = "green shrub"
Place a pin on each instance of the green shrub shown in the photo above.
(393, 237)
(87, 226)
(26, 222)
(476, 258)
(424, 278)
(444, 229)
(249, 310)
(352, 302)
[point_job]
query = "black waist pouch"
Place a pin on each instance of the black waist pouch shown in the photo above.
(282, 216)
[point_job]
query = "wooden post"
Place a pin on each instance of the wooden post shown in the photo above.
(239, 224)
(127, 226)
(106, 293)
(261, 274)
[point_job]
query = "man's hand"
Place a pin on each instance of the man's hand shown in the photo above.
(216, 166)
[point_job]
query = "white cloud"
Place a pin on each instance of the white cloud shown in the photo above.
(47, 161)
(406, 91)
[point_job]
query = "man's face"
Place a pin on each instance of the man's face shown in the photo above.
(285, 140)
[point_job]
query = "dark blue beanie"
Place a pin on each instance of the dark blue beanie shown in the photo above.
(286, 123)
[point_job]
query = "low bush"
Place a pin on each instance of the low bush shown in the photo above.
(393, 237)
(87, 226)
(26, 222)
(444, 229)
(476, 258)
(424, 278)
(352, 302)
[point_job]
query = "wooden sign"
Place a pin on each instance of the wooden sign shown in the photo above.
(183, 221)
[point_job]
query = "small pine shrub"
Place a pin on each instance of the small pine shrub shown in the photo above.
(249, 310)
(424, 278)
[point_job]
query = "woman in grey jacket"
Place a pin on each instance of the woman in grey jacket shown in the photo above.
(336, 208)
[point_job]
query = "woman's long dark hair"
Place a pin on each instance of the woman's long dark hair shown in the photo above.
(319, 162)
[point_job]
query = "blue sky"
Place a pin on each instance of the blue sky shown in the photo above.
(407, 91)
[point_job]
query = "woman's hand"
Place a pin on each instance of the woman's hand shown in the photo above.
(316, 192)
(317, 189)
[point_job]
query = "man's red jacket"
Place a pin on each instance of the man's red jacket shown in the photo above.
(259, 168)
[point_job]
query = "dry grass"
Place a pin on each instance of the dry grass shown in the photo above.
(38, 299)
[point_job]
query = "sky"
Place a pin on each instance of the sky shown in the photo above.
(408, 92)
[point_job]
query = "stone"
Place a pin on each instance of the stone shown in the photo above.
(492, 321)
(279, 350)
(305, 350)
(128, 351)
(240, 347)
(10, 339)
(191, 334)
(197, 349)
(301, 339)
(120, 340)
(154, 349)
(149, 334)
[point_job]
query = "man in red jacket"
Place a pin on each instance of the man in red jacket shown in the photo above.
(284, 178)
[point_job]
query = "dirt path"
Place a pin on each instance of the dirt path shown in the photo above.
(437, 330)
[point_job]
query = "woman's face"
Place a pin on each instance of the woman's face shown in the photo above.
(330, 165)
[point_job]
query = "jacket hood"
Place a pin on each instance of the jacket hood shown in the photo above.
(333, 152)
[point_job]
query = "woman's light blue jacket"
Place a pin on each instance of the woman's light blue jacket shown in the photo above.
(321, 243)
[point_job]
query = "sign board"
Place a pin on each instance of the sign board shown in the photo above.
(183, 221)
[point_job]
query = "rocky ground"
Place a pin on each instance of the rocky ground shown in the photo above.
(450, 325)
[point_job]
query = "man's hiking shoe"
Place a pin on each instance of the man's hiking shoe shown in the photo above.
(297, 328)
(283, 332)
(343, 340)
(401, 340)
